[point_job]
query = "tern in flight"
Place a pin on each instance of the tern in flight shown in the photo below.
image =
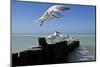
(52, 12)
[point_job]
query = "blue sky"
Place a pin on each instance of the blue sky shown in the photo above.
(78, 20)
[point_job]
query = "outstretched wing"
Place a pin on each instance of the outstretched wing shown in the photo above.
(59, 8)
(54, 11)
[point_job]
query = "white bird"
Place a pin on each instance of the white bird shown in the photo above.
(52, 36)
(52, 12)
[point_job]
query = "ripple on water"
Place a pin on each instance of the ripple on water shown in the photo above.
(80, 54)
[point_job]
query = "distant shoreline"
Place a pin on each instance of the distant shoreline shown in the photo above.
(47, 35)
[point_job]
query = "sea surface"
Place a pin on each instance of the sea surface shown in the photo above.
(86, 51)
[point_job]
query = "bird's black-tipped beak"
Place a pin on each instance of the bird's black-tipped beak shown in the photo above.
(66, 8)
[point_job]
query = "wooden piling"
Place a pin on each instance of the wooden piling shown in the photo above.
(48, 54)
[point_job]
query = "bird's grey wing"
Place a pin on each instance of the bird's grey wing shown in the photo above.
(60, 7)
(46, 16)
(56, 14)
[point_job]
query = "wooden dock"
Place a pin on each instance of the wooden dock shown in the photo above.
(45, 53)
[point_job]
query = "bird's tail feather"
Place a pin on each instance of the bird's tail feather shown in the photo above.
(37, 20)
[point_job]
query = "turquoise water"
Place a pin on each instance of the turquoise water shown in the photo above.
(86, 51)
